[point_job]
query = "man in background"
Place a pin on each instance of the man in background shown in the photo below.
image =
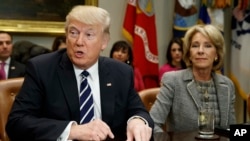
(9, 68)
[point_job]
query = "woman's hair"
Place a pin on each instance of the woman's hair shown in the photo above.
(215, 37)
(57, 42)
(168, 52)
(122, 45)
(90, 15)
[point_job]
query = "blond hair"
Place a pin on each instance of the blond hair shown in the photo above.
(90, 15)
(215, 37)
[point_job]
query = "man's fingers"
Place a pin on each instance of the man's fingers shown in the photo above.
(104, 130)
(129, 136)
(111, 135)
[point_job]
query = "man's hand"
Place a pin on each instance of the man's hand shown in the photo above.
(138, 130)
(96, 130)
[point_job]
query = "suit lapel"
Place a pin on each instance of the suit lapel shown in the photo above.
(222, 94)
(106, 90)
(12, 69)
(192, 87)
(192, 90)
(66, 73)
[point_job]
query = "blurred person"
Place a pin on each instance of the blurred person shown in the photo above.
(173, 57)
(23, 50)
(48, 104)
(122, 51)
(186, 91)
(59, 43)
(9, 67)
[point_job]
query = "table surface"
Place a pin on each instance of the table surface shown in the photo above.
(177, 136)
(183, 136)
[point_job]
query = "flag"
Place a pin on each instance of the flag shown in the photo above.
(139, 28)
(185, 16)
(240, 64)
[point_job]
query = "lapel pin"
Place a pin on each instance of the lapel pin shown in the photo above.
(109, 84)
(12, 67)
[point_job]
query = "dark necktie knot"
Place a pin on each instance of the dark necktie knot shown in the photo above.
(2, 71)
(85, 73)
(2, 63)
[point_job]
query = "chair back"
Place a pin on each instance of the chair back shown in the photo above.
(8, 90)
(148, 96)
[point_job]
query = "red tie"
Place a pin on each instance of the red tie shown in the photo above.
(2, 71)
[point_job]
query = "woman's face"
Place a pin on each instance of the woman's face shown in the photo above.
(121, 55)
(202, 52)
(176, 53)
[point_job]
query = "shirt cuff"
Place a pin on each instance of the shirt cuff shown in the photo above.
(137, 117)
(65, 134)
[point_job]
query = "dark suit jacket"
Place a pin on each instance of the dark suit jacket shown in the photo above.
(49, 98)
(16, 69)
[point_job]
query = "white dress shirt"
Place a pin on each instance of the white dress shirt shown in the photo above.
(93, 80)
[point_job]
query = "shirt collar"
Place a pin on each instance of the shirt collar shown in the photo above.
(92, 70)
(6, 61)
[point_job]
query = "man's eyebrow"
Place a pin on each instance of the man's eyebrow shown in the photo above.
(6, 41)
(72, 27)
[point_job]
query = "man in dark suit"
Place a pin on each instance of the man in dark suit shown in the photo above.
(11, 67)
(48, 105)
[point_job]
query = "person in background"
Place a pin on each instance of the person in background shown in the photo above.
(55, 85)
(184, 92)
(23, 50)
(122, 51)
(9, 68)
(59, 43)
(173, 57)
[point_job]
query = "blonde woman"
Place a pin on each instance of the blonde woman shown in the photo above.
(184, 92)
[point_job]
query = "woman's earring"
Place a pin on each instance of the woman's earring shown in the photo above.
(127, 61)
(215, 59)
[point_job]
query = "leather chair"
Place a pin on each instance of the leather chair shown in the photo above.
(8, 90)
(148, 96)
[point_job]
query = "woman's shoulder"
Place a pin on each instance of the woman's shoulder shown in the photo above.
(176, 75)
(165, 66)
(223, 78)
